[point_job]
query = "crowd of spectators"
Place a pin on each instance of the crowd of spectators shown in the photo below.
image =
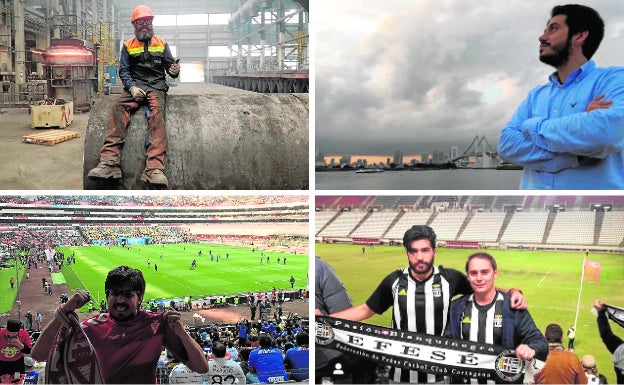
(157, 234)
(37, 237)
(258, 242)
(140, 200)
(258, 352)
(33, 240)
(263, 351)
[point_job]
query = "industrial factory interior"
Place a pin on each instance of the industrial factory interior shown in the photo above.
(59, 57)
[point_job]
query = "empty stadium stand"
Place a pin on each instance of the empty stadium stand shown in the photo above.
(375, 225)
(408, 220)
(506, 221)
(343, 225)
(483, 227)
(526, 227)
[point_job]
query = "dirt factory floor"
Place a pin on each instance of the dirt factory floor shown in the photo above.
(29, 166)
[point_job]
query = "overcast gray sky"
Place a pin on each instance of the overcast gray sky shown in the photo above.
(417, 75)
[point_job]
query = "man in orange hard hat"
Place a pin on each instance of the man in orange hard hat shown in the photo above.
(143, 62)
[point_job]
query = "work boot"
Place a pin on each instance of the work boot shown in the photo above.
(155, 176)
(105, 171)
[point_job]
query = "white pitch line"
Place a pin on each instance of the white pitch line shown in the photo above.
(544, 277)
(565, 309)
(560, 287)
(578, 303)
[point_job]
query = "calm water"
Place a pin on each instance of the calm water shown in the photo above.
(463, 179)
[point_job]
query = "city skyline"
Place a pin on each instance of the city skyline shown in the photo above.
(455, 70)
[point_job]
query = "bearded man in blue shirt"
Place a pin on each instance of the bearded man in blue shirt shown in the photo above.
(569, 133)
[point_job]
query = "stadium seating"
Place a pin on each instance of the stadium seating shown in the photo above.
(385, 202)
(615, 201)
(482, 201)
(573, 227)
(322, 218)
(612, 230)
(546, 201)
(326, 202)
(508, 201)
(343, 225)
(408, 201)
(483, 227)
(375, 225)
(548, 221)
(151, 200)
(447, 225)
(525, 228)
(447, 201)
(408, 220)
(352, 201)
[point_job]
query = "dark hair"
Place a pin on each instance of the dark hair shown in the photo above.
(483, 255)
(218, 350)
(417, 232)
(581, 18)
(244, 354)
(14, 325)
(265, 341)
(553, 333)
(302, 339)
(124, 274)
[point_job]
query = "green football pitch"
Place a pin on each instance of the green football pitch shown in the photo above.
(550, 281)
(239, 272)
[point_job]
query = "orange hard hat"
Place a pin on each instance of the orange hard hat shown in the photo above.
(140, 12)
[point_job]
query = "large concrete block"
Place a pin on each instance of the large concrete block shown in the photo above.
(216, 141)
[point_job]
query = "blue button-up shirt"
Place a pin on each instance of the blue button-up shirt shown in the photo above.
(560, 145)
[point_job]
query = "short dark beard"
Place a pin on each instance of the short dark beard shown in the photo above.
(560, 57)
(428, 269)
(122, 319)
(143, 36)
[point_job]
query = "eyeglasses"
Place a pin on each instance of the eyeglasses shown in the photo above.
(143, 22)
(124, 293)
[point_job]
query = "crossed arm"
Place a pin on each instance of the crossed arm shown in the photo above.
(553, 144)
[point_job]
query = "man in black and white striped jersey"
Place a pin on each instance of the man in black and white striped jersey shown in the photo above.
(487, 316)
(420, 296)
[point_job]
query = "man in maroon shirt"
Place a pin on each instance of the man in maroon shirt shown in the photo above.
(14, 343)
(126, 341)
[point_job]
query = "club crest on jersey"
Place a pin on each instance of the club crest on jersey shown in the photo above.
(402, 291)
(498, 320)
(466, 320)
(155, 324)
(437, 290)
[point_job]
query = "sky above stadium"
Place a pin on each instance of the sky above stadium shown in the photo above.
(429, 74)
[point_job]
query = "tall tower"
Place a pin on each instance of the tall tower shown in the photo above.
(454, 152)
(398, 157)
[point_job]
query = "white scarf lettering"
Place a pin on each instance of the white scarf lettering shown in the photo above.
(422, 352)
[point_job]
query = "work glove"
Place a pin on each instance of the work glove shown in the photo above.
(137, 93)
(174, 69)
